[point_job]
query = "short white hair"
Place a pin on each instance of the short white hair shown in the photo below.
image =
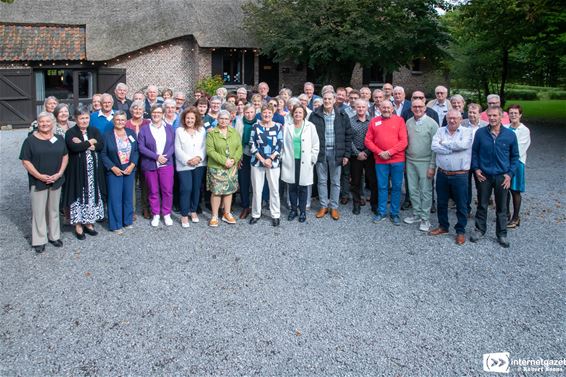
(121, 85)
(493, 96)
(398, 89)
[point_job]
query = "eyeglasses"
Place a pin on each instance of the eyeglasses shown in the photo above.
(157, 112)
(440, 93)
(418, 107)
(493, 103)
(417, 97)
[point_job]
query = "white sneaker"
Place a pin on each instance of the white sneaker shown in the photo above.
(186, 225)
(119, 231)
(425, 226)
(410, 220)
(168, 220)
(194, 218)
(155, 221)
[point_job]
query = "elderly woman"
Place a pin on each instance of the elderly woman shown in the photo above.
(96, 104)
(244, 127)
(157, 145)
(210, 120)
(120, 157)
(224, 151)
(257, 101)
(85, 185)
(136, 122)
(300, 153)
(61, 114)
(266, 143)
(190, 160)
(518, 181)
(166, 94)
(170, 112)
(44, 156)
(49, 105)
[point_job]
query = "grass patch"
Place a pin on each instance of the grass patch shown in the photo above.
(545, 109)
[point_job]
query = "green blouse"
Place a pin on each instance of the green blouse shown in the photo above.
(297, 132)
(219, 148)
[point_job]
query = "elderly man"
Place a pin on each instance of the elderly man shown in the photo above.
(151, 99)
(263, 90)
(341, 98)
(452, 145)
(388, 91)
(361, 162)
(458, 103)
(308, 89)
(440, 104)
(495, 158)
(418, 95)
(377, 97)
(120, 100)
(493, 100)
(335, 136)
(365, 93)
(180, 101)
(400, 104)
(421, 164)
(387, 140)
(102, 119)
(473, 123)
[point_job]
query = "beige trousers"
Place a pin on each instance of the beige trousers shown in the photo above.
(45, 215)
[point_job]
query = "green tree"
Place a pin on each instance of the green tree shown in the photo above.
(332, 36)
(491, 37)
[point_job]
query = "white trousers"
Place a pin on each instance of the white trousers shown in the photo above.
(258, 178)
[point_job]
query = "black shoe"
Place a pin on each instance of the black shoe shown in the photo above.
(90, 231)
(302, 217)
(292, 215)
(254, 220)
(56, 243)
(356, 210)
(406, 205)
(503, 241)
(80, 236)
(39, 249)
(374, 210)
(275, 222)
(476, 236)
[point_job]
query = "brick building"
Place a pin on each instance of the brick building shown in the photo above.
(71, 50)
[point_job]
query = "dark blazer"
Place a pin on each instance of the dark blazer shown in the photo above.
(406, 107)
(109, 153)
(147, 147)
(147, 112)
(342, 133)
(429, 111)
(76, 175)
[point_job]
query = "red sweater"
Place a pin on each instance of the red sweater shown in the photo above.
(387, 135)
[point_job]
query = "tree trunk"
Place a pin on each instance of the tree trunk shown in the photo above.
(504, 74)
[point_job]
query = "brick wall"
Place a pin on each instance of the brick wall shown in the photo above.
(291, 77)
(177, 65)
(425, 80)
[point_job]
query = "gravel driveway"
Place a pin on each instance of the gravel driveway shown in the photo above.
(346, 298)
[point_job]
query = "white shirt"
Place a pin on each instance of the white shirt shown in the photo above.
(188, 146)
(441, 110)
(523, 139)
(453, 151)
(398, 109)
(160, 137)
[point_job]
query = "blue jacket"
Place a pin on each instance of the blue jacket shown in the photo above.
(100, 122)
(495, 157)
(109, 153)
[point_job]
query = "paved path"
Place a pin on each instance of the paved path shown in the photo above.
(346, 298)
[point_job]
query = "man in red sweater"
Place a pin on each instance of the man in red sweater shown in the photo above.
(387, 139)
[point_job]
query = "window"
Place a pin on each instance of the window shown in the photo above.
(69, 86)
(234, 66)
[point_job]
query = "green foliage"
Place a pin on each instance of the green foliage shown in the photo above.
(210, 84)
(7, 1)
(332, 36)
(561, 94)
(522, 94)
(551, 110)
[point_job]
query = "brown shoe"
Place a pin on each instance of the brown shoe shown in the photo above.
(245, 213)
(460, 239)
(321, 213)
(146, 214)
(437, 232)
(344, 200)
(335, 214)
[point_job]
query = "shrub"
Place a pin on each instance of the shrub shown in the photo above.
(210, 84)
(521, 94)
(558, 94)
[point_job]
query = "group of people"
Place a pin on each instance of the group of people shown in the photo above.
(281, 149)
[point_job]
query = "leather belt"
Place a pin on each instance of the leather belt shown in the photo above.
(454, 172)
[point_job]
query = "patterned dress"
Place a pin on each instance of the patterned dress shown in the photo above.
(85, 209)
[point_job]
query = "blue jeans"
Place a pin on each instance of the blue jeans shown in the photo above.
(120, 200)
(455, 187)
(189, 189)
(384, 171)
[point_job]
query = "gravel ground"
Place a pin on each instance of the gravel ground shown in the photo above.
(346, 298)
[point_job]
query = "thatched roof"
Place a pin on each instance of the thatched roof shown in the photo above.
(116, 27)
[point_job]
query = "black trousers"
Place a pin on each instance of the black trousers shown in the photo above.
(298, 193)
(357, 168)
(485, 188)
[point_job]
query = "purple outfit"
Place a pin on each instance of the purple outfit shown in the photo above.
(159, 180)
